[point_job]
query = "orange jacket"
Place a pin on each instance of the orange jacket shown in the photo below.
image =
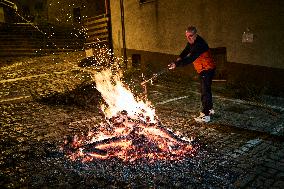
(197, 53)
(204, 62)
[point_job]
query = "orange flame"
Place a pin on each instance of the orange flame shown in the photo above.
(118, 97)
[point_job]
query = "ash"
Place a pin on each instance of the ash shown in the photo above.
(202, 168)
(52, 169)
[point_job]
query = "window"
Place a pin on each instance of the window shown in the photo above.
(145, 1)
(76, 15)
(39, 5)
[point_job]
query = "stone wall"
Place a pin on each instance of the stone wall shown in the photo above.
(61, 11)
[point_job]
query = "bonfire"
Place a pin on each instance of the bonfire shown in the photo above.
(130, 131)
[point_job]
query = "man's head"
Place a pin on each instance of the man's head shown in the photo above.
(191, 34)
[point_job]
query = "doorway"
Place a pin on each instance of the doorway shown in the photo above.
(76, 15)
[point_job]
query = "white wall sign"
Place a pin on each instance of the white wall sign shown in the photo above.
(247, 36)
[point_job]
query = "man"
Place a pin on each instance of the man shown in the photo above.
(197, 52)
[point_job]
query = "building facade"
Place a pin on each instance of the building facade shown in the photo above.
(152, 31)
(251, 31)
(158, 26)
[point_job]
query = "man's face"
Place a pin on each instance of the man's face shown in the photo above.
(190, 37)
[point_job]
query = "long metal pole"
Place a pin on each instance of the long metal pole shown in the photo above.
(123, 31)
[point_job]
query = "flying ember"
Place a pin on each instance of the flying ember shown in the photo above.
(130, 131)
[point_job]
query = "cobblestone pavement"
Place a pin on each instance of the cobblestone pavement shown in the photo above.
(242, 147)
(249, 135)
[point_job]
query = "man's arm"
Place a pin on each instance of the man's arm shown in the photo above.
(196, 51)
(182, 55)
(185, 51)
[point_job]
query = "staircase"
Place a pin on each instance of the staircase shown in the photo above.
(98, 31)
(26, 40)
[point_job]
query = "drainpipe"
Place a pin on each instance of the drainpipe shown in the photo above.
(108, 13)
(123, 31)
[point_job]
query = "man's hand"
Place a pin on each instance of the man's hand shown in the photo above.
(172, 66)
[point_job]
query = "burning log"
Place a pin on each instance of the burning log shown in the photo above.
(129, 140)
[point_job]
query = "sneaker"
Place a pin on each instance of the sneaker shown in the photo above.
(201, 114)
(202, 118)
(211, 112)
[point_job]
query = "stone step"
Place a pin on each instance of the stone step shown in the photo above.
(16, 42)
(32, 40)
(52, 45)
(30, 52)
(39, 46)
(25, 40)
(41, 32)
(20, 36)
(31, 46)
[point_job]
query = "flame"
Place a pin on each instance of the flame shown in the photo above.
(119, 98)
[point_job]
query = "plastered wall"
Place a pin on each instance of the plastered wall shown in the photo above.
(2, 18)
(159, 26)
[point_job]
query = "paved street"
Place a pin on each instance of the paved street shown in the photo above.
(242, 147)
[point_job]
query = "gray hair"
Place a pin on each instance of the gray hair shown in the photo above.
(191, 29)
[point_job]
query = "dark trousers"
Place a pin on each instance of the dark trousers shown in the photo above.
(205, 90)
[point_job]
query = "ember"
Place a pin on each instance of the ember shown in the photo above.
(128, 140)
(130, 131)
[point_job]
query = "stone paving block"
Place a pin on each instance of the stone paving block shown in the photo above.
(278, 184)
(261, 149)
(275, 165)
(243, 165)
(268, 182)
(272, 171)
(269, 173)
(245, 180)
(276, 157)
(280, 176)
(261, 182)
(259, 170)
(281, 153)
